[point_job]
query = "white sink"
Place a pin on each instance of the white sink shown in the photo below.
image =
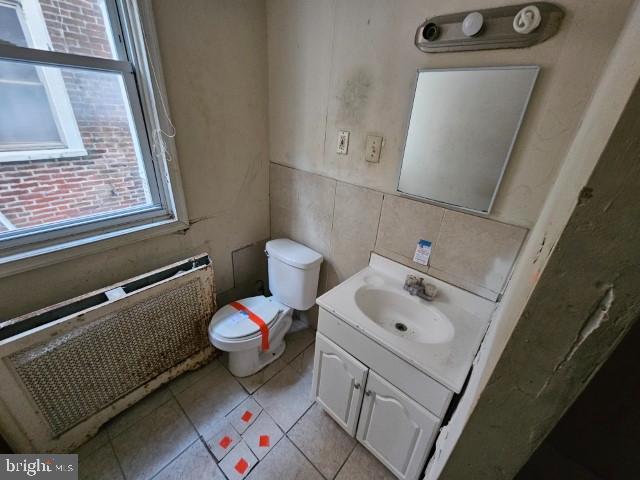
(441, 337)
(408, 317)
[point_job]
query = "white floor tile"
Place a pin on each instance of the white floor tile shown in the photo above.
(303, 363)
(210, 398)
(285, 462)
(187, 379)
(361, 465)
(195, 463)
(91, 445)
(322, 441)
(223, 441)
(286, 397)
(244, 414)
(263, 435)
(255, 381)
(154, 441)
(297, 342)
(238, 462)
(129, 417)
(101, 464)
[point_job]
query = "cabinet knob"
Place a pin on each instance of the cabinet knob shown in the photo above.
(367, 393)
(357, 386)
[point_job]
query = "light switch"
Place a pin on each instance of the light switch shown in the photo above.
(343, 142)
(372, 149)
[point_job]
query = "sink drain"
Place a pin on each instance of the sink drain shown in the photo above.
(401, 327)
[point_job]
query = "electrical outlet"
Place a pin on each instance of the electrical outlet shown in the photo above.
(372, 149)
(343, 142)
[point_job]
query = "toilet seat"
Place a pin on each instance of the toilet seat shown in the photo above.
(232, 324)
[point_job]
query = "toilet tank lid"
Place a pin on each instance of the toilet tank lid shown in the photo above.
(293, 253)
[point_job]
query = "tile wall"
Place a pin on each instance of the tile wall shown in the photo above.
(346, 223)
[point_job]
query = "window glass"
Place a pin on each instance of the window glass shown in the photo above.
(26, 119)
(10, 29)
(80, 27)
(108, 177)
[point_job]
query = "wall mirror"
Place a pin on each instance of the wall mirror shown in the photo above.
(462, 128)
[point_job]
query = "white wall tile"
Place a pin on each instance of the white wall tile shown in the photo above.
(476, 251)
(402, 224)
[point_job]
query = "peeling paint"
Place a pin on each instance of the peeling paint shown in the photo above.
(539, 252)
(585, 195)
(597, 318)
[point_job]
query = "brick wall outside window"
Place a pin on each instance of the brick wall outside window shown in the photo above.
(108, 177)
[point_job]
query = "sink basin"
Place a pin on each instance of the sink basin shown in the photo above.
(405, 316)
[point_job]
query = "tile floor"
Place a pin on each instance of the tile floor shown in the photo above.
(206, 424)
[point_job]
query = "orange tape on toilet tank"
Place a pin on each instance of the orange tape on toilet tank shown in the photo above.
(264, 329)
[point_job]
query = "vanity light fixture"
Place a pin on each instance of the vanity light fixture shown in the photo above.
(511, 26)
(472, 24)
(527, 19)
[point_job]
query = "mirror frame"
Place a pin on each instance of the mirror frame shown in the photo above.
(506, 161)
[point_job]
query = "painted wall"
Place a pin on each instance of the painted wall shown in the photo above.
(351, 64)
(215, 65)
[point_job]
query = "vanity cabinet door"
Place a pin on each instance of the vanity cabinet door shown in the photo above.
(338, 383)
(395, 428)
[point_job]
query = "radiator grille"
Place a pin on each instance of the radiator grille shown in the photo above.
(75, 375)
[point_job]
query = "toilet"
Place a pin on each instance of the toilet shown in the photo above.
(252, 330)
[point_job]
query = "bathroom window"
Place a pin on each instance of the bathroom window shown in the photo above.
(83, 148)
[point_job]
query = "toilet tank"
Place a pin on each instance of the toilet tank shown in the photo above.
(293, 273)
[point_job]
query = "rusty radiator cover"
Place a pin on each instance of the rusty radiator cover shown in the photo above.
(62, 377)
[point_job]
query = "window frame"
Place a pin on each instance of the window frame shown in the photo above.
(139, 66)
(36, 35)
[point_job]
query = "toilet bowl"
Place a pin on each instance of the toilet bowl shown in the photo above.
(231, 331)
(252, 330)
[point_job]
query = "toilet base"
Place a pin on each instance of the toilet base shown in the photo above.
(247, 362)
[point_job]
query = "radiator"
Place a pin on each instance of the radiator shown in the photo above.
(67, 369)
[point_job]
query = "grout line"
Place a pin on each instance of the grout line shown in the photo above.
(115, 455)
(435, 242)
(355, 445)
(375, 242)
(306, 458)
(139, 418)
(174, 458)
(303, 454)
(299, 418)
(184, 412)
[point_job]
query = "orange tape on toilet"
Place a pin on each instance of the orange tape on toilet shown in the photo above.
(264, 329)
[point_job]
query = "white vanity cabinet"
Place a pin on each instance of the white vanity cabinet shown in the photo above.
(358, 389)
(395, 428)
(338, 383)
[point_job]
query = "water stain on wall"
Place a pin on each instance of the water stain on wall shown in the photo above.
(354, 98)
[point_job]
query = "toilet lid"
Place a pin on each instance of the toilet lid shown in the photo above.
(229, 322)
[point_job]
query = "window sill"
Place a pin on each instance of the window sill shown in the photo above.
(49, 154)
(33, 259)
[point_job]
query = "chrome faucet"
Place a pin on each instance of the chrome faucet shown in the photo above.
(417, 287)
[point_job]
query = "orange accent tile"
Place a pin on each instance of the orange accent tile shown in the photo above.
(225, 442)
(241, 466)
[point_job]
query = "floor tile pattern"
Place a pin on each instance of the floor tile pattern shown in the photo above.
(206, 424)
